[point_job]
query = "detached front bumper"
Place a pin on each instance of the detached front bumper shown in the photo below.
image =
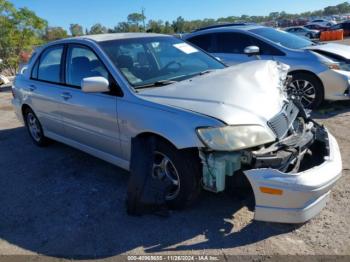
(295, 198)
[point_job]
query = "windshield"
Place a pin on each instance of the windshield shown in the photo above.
(154, 60)
(283, 38)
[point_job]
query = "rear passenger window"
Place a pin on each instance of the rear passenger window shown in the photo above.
(82, 63)
(48, 68)
(204, 42)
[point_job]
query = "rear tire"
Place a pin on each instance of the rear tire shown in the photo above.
(186, 164)
(34, 128)
(307, 88)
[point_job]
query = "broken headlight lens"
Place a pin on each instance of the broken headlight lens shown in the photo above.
(231, 138)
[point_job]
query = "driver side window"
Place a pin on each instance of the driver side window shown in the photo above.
(82, 63)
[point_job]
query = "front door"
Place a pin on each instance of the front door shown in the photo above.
(229, 47)
(89, 118)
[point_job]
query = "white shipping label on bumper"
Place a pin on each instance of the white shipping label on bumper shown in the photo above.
(186, 48)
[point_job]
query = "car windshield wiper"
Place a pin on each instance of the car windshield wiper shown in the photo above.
(172, 81)
(200, 73)
(205, 72)
(156, 84)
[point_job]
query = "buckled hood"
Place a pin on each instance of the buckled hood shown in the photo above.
(248, 93)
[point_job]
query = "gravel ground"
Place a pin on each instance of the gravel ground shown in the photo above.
(60, 202)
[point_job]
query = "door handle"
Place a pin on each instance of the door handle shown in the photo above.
(66, 95)
(32, 88)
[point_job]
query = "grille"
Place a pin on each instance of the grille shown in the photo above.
(281, 123)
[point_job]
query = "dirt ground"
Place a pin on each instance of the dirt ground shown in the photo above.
(63, 203)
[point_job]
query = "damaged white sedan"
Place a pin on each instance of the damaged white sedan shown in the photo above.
(170, 113)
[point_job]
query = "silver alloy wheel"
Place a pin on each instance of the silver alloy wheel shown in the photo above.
(163, 168)
(303, 90)
(34, 127)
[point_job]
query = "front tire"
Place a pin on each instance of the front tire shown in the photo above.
(307, 88)
(34, 128)
(182, 168)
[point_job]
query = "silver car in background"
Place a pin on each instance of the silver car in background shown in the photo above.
(208, 125)
(320, 71)
(303, 32)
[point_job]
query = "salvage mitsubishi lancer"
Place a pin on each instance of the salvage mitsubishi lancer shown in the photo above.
(208, 125)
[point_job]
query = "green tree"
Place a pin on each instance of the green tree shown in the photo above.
(274, 15)
(167, 29)
(55, 33)
(76, 30)
(331, 10)
(97, 29)
(136, 18)
(155, 26)
(121, 27)
(179, 25)
(20, 30)
(343, 8)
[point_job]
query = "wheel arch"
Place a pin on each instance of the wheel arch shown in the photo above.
(23, 109)
(302, 71)
(148, 134)
(192, 149)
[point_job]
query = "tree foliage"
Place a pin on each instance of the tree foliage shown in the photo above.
(54, 33)
(76, 30)
(98, 29)
(180, 25)
(20, 30)
(136, 18)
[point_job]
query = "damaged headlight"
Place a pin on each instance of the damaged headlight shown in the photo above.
(230, 138)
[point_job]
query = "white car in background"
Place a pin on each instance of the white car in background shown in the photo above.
(303, 32)
(322, 22)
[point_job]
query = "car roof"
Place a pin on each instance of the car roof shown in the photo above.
(234, 28)
(227, 28)
(118, 36)
(110, 37)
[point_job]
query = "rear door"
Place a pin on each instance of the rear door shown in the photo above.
(45, 86)
(90, 119)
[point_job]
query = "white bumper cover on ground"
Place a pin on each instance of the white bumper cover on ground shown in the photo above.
(303, 195)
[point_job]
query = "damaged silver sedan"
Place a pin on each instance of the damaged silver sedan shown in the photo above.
(159, 107)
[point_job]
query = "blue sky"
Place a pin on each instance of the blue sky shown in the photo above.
(110, 12)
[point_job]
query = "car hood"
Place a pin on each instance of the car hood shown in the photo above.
(337, 49)
(248, 93)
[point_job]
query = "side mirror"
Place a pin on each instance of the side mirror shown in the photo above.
(96, 84)
(252, 50)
